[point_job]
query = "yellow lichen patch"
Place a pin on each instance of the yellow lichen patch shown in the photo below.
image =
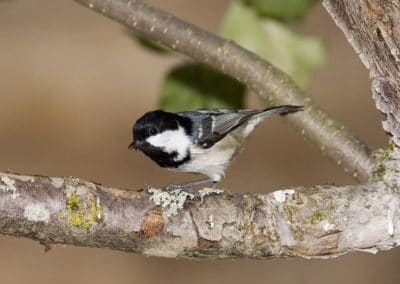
(73, 201)
(79, 213)
(78, 219)
(95, 211)
(319, 215)
(380, 168)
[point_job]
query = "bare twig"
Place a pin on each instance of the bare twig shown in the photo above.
(296, 222)
(332, 138)
(373, 29)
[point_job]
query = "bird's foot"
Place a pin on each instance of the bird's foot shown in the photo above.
(188, 185)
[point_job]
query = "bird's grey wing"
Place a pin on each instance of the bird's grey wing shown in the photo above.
(226, 122)
(210, 126)
(223, 121)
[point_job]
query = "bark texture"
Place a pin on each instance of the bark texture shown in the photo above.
(372, 27)
(323, 221)
(275, 87)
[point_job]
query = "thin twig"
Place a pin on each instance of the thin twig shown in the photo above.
(271, 84)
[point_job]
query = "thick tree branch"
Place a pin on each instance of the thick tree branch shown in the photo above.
(373, 29)
(268, 82)
(323, 221)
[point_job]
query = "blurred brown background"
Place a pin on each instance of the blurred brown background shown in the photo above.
(71, 85)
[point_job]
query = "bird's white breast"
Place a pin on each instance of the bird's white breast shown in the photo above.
(172, 141)
(211, 162)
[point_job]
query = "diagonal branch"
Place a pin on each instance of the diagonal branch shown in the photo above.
(271, 84)
(296, 222)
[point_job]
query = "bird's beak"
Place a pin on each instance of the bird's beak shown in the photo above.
(133, 145)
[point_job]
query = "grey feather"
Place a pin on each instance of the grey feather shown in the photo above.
(211, 125)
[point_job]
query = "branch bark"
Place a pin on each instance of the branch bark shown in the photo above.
(271, 84)
(373, 29)
(296, 222)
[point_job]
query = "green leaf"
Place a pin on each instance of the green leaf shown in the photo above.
(194, 86)
(147, 44)
(296, 54)
(151, 45)
(282, 9)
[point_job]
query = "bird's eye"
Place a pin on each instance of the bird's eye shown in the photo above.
(152, 131)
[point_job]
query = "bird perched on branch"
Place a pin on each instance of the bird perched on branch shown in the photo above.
(200, 141)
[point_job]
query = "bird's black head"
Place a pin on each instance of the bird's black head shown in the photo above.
(151, 124)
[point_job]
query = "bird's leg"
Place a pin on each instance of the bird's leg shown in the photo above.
(191, 184)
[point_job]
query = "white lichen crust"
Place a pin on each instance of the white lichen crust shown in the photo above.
(209, 191)
(36, 213)
(8, 185)
(174, 200)
(170, 200)
(280, 195)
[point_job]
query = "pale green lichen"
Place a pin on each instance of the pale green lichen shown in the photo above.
(172, 200)
(8, 185)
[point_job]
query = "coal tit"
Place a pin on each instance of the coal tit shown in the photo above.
(201, 141)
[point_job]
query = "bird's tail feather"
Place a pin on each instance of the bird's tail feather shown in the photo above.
(282, 110)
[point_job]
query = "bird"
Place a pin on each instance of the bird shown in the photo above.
(203, 141)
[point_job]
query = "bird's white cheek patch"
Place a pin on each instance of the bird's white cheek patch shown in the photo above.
(172, 141)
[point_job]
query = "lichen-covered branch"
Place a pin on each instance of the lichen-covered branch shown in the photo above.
(373, 29)
(323, 221)
(332, 138)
